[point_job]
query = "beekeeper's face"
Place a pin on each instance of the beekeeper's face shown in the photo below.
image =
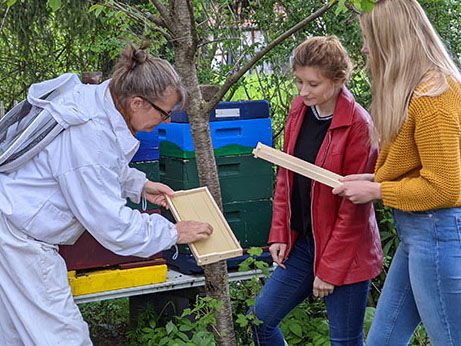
(146, 114)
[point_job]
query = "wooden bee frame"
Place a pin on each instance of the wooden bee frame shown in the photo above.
(297, 165)
(199, 205)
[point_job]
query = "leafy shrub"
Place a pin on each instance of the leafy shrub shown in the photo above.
(107, 320)
(307, 324)
(191, 328)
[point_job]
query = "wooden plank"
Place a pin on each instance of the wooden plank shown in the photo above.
(297, 165)
(199, 205)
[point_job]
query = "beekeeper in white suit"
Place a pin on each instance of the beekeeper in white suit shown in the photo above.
(80, 181)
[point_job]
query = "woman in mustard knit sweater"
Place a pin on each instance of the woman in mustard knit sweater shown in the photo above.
(416, 110)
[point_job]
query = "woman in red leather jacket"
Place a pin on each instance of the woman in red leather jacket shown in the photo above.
(323, 244)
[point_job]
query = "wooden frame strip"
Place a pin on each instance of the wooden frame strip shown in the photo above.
(297, 165)
(222, 243)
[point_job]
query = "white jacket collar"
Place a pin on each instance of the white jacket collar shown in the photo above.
(128, 143)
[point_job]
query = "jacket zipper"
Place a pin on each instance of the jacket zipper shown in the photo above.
(312, 199)
(289, 212)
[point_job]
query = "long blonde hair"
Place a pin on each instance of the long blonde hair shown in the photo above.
(404, 52)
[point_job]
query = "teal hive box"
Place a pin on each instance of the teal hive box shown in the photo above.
(241, 177)
(234, 137)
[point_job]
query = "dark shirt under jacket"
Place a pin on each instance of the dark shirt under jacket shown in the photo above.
(311, 135)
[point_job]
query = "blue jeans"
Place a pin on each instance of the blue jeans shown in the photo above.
(288, 287)
(424, 281)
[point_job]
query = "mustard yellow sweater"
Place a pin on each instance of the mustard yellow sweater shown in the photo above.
(421, 168)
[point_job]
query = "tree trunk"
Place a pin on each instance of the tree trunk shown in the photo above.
(217, 287)
(216, 283)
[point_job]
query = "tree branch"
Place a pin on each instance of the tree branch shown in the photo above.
(4, 18)
(164, 14)
(281, 100)
(352, 8)
(219, 40)
(193, 27)
(156, 20)
(233, 77)
(136, 14)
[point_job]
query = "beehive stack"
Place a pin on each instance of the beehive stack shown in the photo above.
(246, 183)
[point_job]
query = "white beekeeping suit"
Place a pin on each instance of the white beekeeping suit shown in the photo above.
(80, 180)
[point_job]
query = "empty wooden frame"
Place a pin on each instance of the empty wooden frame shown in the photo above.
(296, 165)
(199, 205)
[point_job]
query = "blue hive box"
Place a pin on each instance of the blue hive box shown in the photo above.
(149, 149)
(234, 110)
(236, 137)
(186, 264)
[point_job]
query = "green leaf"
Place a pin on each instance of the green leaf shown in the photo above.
(97, 8)
(10, 2)
(186, 312)
(369, 315)
(183, 336)
(186, 327)
(250, 301)
(244, 266)
(387, 248)
(164, 341)
(255, 251)
(296, 329)
(242, 320)
(170, 327)
(93, 7)
(341, 7)
(367, 5)
(386, 235)
(54, 4)
(261, 265)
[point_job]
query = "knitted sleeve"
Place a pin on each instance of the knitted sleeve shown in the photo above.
(428, 145)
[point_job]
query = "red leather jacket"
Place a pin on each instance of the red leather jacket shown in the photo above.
(347, 242)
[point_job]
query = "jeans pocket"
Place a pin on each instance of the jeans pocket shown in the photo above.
(458, 226)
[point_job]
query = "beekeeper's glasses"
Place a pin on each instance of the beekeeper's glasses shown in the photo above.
(165, 115)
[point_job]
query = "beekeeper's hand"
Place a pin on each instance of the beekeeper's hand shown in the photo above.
(190, 231)
(156, 192)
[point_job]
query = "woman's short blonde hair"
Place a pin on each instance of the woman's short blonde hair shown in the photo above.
(325, 53)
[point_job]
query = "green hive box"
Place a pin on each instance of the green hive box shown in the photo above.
(249, 220)
(170, 149)
(152, 170)
(241, 177)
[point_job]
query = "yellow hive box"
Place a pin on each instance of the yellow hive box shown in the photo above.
(108, 280)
